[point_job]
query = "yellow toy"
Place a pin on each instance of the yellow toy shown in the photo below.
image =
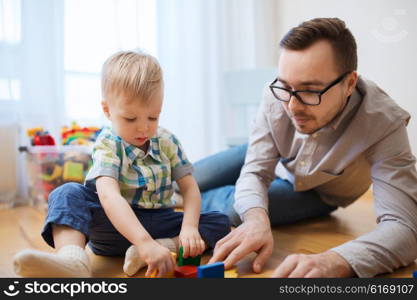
(76, 135)
(168, 275)
(56, 173)
(32, 131)
(232, 273)
(73, 171)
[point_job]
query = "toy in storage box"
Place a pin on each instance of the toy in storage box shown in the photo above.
(51, 166)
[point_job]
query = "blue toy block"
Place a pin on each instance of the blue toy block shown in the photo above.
(215, 270)
(415, 274)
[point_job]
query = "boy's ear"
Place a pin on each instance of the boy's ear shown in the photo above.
(105, 107)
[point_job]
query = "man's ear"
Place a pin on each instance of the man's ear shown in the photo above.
(351, 81)
(105, 107)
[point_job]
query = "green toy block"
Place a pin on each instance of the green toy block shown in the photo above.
(189, 261)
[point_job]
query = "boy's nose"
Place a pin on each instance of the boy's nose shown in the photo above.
(142, 127)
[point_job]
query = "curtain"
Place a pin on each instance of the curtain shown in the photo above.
(31, 60)
(196, 42)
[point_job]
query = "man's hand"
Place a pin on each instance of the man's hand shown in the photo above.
(157, 257)
(325, 265)
(253, 235)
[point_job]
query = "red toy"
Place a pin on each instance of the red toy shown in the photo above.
(43, 138)
(185, 272)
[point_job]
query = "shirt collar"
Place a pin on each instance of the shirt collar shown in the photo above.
(133, 152)
(353, 101)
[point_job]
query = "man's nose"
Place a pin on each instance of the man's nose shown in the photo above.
(295, 104)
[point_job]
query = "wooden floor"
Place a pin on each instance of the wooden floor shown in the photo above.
(20, 228)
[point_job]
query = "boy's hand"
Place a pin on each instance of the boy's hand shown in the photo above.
(191, 241)
(157, 257)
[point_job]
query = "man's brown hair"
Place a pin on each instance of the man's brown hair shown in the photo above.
(332, 30)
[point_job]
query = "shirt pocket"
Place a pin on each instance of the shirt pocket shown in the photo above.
(324, 176)
(333, 174)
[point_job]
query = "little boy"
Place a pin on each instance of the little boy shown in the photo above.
(125, 206)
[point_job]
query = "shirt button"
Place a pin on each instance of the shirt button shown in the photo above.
(302, 163)
(315, 135)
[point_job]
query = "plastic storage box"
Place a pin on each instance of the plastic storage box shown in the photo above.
(48, 167)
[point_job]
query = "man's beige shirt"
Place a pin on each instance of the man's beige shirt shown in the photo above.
(366, 144)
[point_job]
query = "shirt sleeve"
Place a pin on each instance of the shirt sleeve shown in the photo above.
(106, 161)
(393, 243)
(180, 165)
(261, 159)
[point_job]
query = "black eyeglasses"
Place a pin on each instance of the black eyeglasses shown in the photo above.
(307, 97)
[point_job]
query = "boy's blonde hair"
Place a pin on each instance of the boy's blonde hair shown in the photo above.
(132, 74)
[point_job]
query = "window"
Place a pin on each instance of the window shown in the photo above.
(9, 89)
(10, 38)
(93, 30)
(10, 15)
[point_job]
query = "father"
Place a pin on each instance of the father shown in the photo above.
(322, 136)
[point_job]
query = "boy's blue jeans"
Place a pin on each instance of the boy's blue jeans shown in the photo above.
(216, 176)
(79, 207)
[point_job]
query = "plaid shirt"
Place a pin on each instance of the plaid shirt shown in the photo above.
(145, 179)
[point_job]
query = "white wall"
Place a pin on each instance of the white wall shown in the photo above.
(386, 34)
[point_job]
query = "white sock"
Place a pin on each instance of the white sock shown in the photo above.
(170, 243)
(133, 263)
(69, 261)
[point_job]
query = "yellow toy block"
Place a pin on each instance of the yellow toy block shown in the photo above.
(31, 131)
(174, 256)
(73, 171)
(153, 275)
(57, 172)
(232, 273)
(167, 275)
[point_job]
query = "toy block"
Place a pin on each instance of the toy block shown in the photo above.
(231, 273)
(174, 256)
(56, 173)
(154, 274)
(73, 171)
(166, 275)
(32, 131)
(185, 272)
(215, 270)
(172, 274)
(415, 274)
(189, 261)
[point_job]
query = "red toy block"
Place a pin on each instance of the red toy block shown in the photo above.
(185, 272)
